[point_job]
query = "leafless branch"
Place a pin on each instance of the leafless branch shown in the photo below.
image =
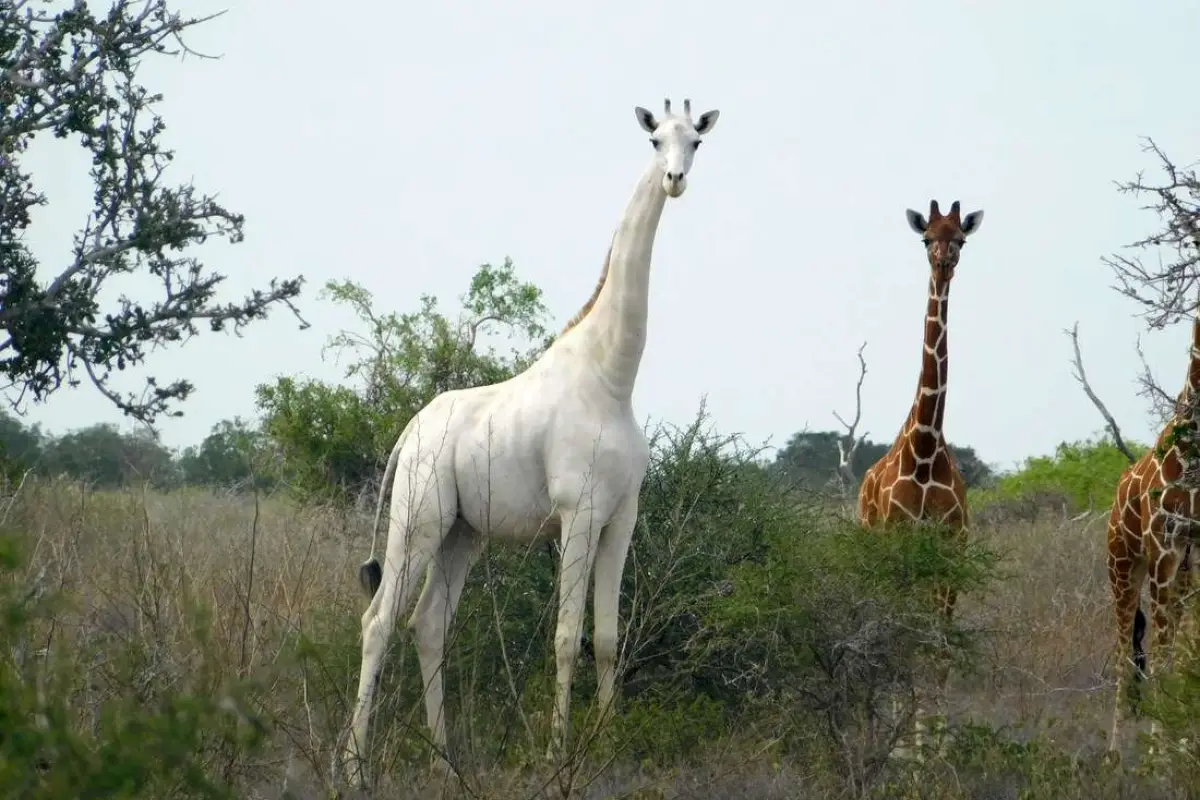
(1162, 403)
(1167, 289)
(849, 442)
(1080, 375)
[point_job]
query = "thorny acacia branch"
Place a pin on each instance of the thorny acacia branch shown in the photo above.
(72, 73)
(1167, 289)
(849, 442)
(1162, 404)
(1080, 375)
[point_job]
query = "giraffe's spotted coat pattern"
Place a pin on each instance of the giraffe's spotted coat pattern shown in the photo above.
(1151, 527)
(918, 479)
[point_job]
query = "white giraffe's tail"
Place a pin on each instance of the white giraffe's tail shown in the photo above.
(370, 574)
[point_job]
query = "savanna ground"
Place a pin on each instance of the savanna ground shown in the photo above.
(195, 643)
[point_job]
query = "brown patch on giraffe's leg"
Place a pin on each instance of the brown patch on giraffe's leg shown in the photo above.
(1126, 573)
(1162, 608)
(1184, 579)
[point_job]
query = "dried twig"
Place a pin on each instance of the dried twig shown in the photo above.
(849, 442)
(1162, 403)
(1080, 375)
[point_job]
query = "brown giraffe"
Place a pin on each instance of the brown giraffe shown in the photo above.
(1150, 536)
(918, 479)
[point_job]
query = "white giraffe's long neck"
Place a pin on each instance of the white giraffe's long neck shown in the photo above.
(615, 329)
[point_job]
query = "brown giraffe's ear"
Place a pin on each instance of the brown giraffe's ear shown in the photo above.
(971, 222)
(916, 221)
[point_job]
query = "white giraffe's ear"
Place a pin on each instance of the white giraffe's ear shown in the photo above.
(707, 121)
(971, 222)
(916, 220)
(646, 119)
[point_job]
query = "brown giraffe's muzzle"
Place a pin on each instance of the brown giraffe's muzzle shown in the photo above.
(943, 256)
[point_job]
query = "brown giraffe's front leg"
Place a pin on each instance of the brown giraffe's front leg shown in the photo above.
(1164, 609)
(1126, 573)
(1184, 577)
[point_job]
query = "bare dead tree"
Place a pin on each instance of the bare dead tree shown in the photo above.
(1162, 404)
(1168, 289)
(1080, 375)
(849, 442)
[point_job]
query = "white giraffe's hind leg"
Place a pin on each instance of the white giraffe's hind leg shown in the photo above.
(420, 522)
(611, 552)
(432, 619)
(580, 532)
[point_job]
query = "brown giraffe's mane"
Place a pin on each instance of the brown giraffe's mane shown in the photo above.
(591, 301)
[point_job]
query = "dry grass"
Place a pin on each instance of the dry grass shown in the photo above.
(1052, 634)
(168, 577)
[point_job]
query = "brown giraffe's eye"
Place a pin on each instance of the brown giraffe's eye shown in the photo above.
(926, 242)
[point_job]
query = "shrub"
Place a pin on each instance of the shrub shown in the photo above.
(1083, 474)
(131, 746)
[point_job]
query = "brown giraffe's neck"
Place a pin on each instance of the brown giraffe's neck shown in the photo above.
(924, 425)
(1191, 383)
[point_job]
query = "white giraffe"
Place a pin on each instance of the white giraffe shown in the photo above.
(553, 451)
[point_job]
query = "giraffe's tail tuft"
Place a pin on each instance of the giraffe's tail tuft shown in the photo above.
(1139, 650)
(370, 575)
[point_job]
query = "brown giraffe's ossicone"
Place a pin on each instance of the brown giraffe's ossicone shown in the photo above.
(1151, 528)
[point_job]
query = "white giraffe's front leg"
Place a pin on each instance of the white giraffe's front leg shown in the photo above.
(611, 553)
(580, 532)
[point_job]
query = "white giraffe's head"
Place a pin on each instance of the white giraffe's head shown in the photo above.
(676, 137)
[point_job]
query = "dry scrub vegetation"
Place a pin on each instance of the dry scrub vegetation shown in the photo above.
(199, 594)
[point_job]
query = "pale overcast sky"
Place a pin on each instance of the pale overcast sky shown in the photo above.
(401, 145)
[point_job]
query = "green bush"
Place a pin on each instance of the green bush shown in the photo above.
(1082, 474)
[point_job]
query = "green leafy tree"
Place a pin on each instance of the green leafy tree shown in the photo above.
(334, 438)
(103, 455)
(233, 455)
(810, 459)
(71, 74)
(20, 446)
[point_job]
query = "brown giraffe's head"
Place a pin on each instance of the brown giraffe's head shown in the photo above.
(944, 235)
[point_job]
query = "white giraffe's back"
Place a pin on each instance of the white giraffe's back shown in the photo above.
(520, 447)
